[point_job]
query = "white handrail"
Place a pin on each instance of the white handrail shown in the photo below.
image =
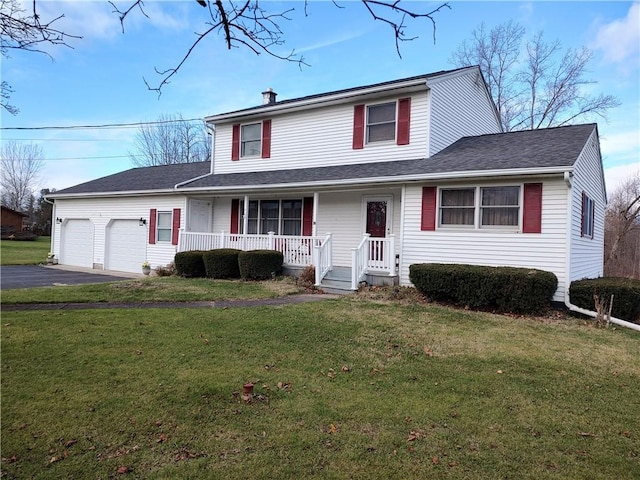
(323, 258)
(359, 261)
(372, 254)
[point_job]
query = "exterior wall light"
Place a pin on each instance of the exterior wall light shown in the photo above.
(142, 222)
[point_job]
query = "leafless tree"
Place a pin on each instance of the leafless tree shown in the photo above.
(170, 139)
(23, 29)
(534, 84)
(622, 230)
(21, 163)
(251, 24)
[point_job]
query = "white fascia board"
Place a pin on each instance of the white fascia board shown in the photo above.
(128, 193)
(387, 180)
(329, 99)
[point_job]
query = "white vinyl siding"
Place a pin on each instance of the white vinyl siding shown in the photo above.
(323, 137)
(587, 254)
(545, 251)
(103, 211)
(459, 108)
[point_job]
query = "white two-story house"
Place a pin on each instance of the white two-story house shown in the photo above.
(361, 183)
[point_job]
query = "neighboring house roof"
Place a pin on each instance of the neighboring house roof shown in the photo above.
(161, 177)
(12, 211)
(530, 151)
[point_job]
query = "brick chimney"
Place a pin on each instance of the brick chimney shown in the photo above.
(269, 97)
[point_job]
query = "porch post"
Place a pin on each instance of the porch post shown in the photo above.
(245, 222)
(223, 243)
(314, 231)
(392, 255)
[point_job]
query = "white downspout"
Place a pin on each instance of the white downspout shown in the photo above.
(567, 301)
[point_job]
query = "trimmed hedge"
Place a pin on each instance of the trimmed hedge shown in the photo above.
(190, 264)
(260, 264)
(625, 291)
(222, 263)
(508, 289)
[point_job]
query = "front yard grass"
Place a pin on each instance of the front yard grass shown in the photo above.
(19, 252)
(346, 388)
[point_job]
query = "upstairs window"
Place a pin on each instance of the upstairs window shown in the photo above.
(500, 206)
(588, 213)
(250, 140)
(381, 122)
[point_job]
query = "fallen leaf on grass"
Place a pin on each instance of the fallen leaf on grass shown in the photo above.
(333, 428)
(413, 436)
(427, 351)
(587, 434)
(122, 470)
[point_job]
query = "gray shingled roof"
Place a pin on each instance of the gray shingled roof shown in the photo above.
(531, 149)
(160, 177)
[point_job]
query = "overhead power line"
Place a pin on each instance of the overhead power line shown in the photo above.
(102, 126)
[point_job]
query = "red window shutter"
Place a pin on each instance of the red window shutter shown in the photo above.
(428, 208)
(266, 139)
(153, 217)
(235, 212)
(358, 127)
(404, 121)
(235, 142)
(307, 216)
(175, 227)
(532, 211)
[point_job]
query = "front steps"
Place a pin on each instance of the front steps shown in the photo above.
(338, 280)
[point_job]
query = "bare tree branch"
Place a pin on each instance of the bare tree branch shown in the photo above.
(21, 163)
(539, 87)
(622, 230)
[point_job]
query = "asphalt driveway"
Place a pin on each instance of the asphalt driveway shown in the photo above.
(26, 276)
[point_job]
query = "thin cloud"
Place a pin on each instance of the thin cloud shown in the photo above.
(619, 40)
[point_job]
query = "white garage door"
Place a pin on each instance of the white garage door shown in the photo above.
(126, 246)
(77, 243)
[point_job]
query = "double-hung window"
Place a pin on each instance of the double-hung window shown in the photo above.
(381, 122)
(283, 217)
(250, 140)
(485, 207)
(163, 227)
(457, 207)
(500, 206)
(588, 211)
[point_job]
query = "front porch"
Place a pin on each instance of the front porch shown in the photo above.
(372, 260)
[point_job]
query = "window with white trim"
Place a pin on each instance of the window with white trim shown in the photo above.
(381, 122)
(283, 217)
(480, 207)
(163, 227)
(500, 206)
(588, 212)
(251, 140)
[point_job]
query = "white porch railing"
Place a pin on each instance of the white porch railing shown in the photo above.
(372, 254)
(297, 250)
(323, 258)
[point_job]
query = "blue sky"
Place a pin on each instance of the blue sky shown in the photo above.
(100, 80)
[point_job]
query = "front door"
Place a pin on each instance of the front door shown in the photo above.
(376, 226)
(199, 216)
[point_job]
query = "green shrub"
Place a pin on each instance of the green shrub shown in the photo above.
(260, 264)
(625, 291)
(509, 289)
(222, 263)
(190, 264)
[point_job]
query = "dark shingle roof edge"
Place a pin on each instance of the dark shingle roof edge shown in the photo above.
(308, 98)
(531, 151)
(141, 179)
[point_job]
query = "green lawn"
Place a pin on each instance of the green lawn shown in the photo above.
(14, 252)
(347, 388)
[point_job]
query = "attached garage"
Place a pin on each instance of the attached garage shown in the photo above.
(77, 243)
(126, 246)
